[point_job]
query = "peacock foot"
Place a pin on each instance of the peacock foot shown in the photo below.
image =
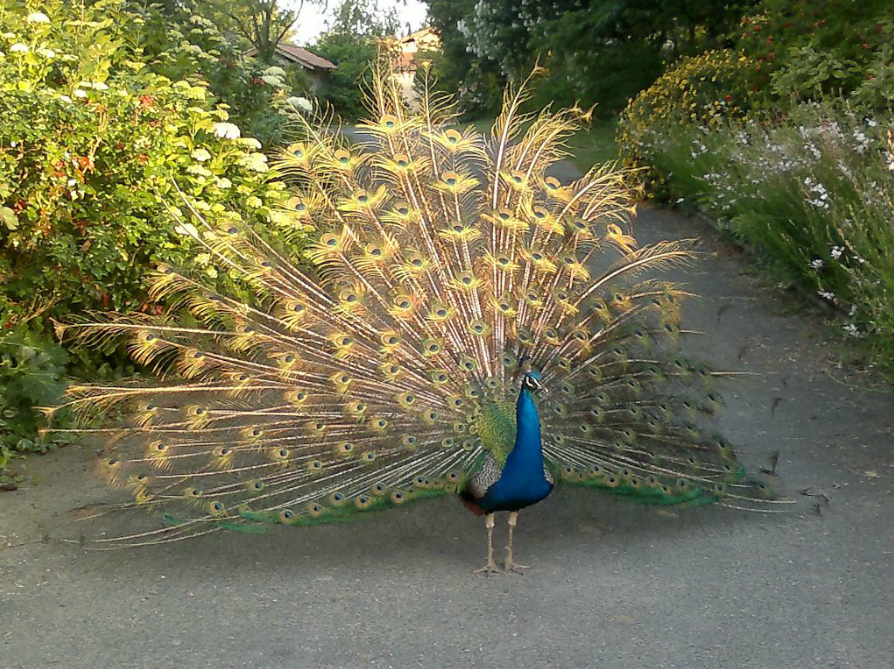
(515, 567)
(488, 569)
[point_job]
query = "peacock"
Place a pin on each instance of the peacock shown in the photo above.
(459, 321)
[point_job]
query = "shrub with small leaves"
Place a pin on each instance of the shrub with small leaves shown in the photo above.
(703, 90)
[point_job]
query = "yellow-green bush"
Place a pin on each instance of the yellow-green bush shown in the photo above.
(701, 90)
(93, 149)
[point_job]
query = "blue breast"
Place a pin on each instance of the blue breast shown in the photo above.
(522, 481)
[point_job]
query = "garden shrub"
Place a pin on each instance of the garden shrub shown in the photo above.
(812, 50)
(185, 45)
(700, 90)
(93, 149)
(812, 190)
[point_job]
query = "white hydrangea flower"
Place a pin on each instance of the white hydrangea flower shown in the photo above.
(199, 171)
(37, 17)
(226, 130)
(18, 48)
(187, 230)
(201, 155)
(256, 162)
(301, 103)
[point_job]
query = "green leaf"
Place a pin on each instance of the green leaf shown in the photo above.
(9, 218)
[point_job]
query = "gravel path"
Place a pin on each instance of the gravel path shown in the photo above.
(613, 585)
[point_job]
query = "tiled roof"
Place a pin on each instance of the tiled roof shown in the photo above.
(296, 54)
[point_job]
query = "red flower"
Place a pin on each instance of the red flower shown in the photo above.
(865, 45)
(769, 40)
(728, 98)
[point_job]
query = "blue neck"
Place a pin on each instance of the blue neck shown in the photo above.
(527, 453)
(522, 481)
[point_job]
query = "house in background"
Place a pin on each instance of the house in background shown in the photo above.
(408, 53)
(316, 67)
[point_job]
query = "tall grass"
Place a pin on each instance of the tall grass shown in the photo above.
(813, 192)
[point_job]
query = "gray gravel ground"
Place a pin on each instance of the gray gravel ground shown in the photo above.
(613, 585)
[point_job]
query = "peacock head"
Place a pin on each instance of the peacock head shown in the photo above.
(531, 382)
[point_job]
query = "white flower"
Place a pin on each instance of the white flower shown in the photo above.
(78, 93)
(275, 71)
(256, 162)
(187, 229)
(852, 330)
(226, 130)
(46, 53)
(836, 252)
(99, 86)
(65, 98)
(201, 155)
(223, 183)
(817, 264)
(250, 142)
(18, 48)
(301, 103)
(37, 17)
(826, 295)
(199, 171)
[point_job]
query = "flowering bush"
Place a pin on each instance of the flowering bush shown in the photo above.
(183, 44)
(704, 89)
(93, 149)
(813, 191)
(810, 50)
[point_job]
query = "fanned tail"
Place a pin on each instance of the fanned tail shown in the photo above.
(365, 373)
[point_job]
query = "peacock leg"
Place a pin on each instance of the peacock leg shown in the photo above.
(512, 565)
(491, 566)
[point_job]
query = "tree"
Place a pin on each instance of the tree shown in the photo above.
(352, 41)
(596, 50)
(264, 23)
(478, 82)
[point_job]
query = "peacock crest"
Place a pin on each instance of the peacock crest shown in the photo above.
(383, 365)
